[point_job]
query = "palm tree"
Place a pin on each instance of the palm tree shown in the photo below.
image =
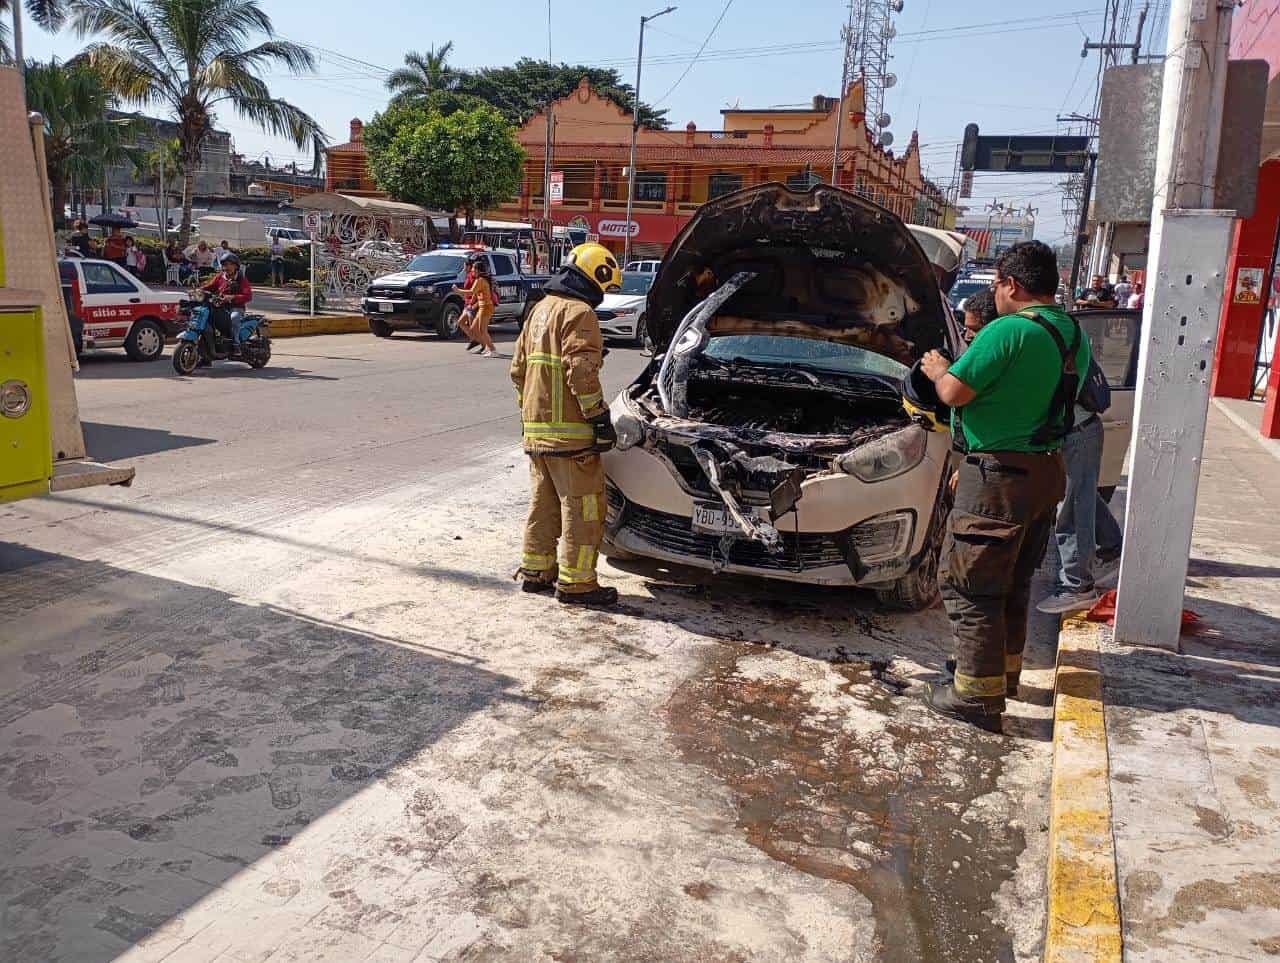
(194, 57)
(80, 139)
(48, 14)
(157, 167)
(422, 74)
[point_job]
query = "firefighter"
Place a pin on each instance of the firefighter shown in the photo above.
(556, 371)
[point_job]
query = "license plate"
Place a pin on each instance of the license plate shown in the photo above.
(712, 518)
(386, 307)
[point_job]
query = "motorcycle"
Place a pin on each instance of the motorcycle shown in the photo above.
(202, 343)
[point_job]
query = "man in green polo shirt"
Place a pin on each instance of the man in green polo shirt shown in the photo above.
(1010, 401)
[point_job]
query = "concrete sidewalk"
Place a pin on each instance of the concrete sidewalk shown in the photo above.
(1194, 737)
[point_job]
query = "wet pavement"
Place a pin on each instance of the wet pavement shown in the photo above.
(298, 710)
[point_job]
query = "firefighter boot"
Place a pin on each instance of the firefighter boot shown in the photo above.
(600, 597)
(537, 583)
(1010, 679)
(986, 714)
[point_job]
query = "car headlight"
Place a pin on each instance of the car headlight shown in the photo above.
(886, 457)
(422, 292)
(630, 431)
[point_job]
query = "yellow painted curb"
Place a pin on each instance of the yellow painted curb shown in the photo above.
(1084, 897)
(289, 326)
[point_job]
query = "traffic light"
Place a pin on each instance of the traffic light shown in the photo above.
(969, 151)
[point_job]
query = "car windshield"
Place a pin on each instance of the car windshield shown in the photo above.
(965, 287)
(437, 263)
(803, 352)
(633, 282)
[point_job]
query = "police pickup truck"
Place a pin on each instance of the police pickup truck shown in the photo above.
(421, 295)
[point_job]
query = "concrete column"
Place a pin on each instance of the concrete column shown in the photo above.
(595, 185)
(1240, 325)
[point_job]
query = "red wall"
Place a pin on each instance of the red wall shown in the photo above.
(1241, 324)
(1255, 33)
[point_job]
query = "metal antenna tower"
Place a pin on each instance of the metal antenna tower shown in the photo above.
(871, 30)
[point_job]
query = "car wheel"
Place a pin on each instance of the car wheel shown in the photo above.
(916, 590)
(379, 328)
(447, 323)
(145, 341)
(642, 332)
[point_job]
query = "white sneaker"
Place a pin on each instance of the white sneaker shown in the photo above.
(1062, 602)
(490, 354)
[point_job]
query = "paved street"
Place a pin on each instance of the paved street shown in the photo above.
(282, 700)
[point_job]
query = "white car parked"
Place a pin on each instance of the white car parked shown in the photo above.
(644, 267)
(621, 315)
(768, 435)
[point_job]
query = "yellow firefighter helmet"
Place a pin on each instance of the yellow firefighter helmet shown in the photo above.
(596, 262)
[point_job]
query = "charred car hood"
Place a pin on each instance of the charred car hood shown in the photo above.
(828, 265)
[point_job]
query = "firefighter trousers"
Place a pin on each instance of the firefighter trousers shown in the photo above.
(566, 506)
(996, 537)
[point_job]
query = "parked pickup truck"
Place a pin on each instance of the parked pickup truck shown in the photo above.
(108, 308)
(421, 294)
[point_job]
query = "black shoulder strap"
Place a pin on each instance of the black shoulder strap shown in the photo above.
(1064, 395)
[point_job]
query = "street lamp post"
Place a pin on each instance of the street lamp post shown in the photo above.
(635, 129)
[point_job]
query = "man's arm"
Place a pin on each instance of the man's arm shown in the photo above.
(583, 353)
(954, 392)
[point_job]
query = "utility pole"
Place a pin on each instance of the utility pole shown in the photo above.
(1189, 242)
(550, 120)
(635, 130)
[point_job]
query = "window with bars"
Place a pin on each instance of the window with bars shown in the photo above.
(720, 184)
(651, 185)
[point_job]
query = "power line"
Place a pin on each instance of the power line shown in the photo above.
(706, 40)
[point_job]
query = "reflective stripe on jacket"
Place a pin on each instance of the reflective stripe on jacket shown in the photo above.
(556, 371)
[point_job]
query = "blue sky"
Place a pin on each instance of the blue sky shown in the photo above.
(1008, 67)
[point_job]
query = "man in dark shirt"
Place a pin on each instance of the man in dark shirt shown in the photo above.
(1009, 424)
(1099, 294)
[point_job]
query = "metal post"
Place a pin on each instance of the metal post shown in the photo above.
(17, 37)
(1083, 227)
(311, 282)
(635, 130)
(1189, 243)
(550, 121)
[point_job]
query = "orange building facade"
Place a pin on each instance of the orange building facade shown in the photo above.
(346, 167)
(678, 171)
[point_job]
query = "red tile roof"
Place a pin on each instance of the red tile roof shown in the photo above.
(700, 153)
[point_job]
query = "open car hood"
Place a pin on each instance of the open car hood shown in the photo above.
(828, 265)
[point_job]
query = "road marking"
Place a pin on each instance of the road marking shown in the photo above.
(1084, 903)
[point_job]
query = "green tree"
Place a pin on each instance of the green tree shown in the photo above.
(158, 167)
(80, 140)
(48, 14)
(423, 74)
(468, 160)
(523, 89)
(194, 57)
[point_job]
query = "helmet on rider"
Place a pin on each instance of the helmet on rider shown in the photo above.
(231, 259)
(597, 263)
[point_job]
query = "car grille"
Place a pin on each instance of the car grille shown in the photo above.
(606, 315)
(674, 533)
(388, 292)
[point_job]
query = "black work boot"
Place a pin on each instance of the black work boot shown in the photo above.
(1010, 679)
(986, 715)
(599, 597)
(536, 582)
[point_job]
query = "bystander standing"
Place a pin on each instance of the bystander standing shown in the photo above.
(1012, 394)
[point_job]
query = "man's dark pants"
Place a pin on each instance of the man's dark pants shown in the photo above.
(996, 538)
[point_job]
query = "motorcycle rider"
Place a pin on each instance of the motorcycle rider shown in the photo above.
(228, 289)
(556, 371)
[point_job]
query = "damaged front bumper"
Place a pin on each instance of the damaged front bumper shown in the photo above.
(877, 549)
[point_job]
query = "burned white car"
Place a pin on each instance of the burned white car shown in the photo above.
(768, 435)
